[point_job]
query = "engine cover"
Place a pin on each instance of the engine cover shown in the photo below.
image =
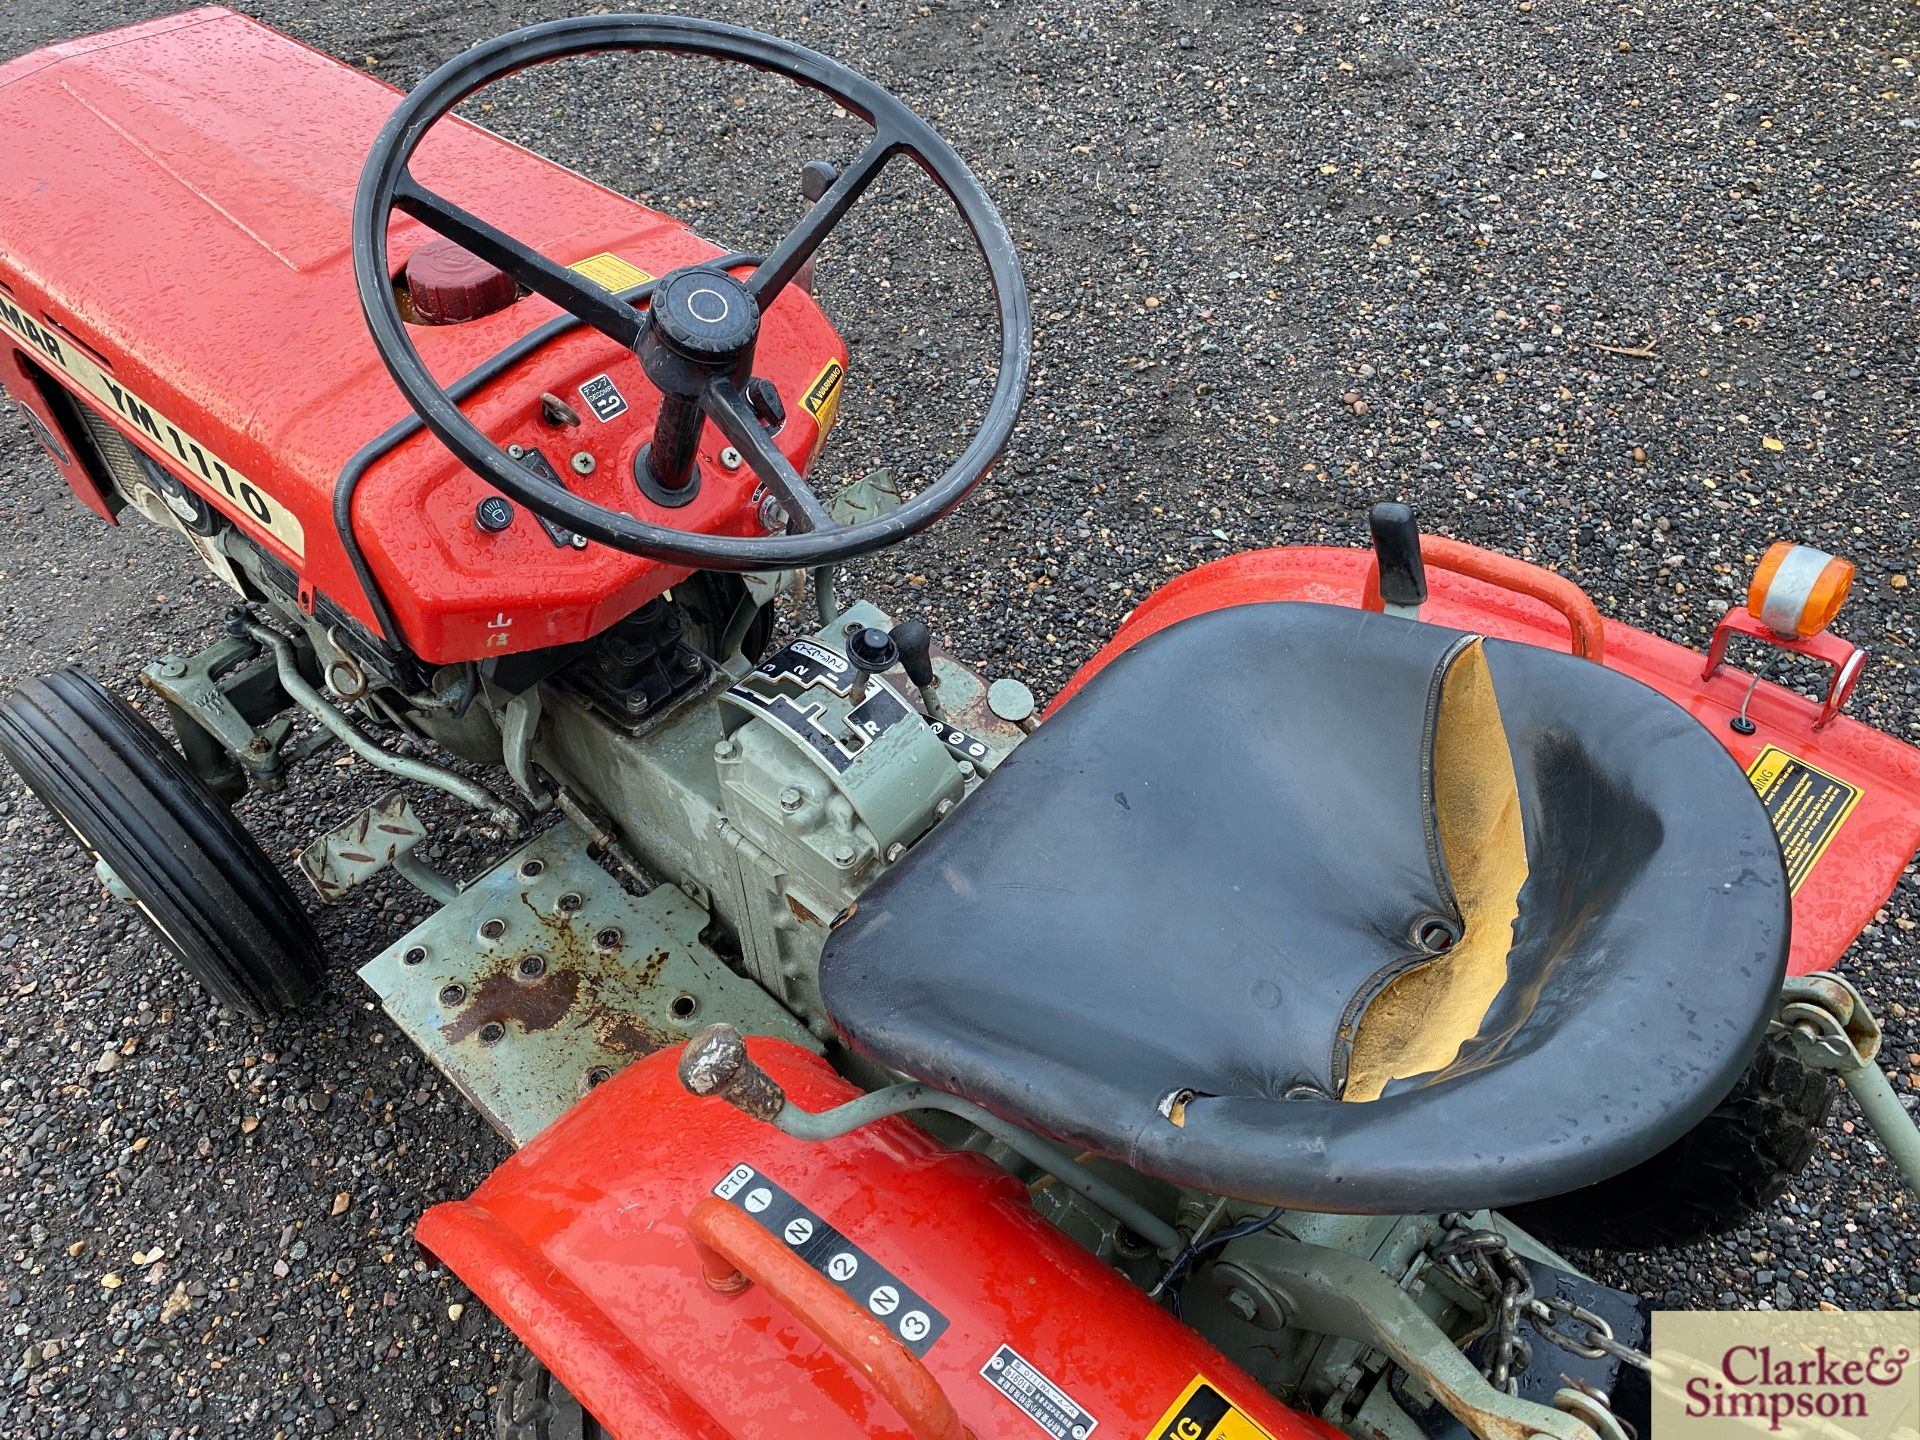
(207, 311)
(580, 1242)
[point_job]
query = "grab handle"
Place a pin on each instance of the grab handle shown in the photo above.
(735, 1252)
(1587, 632)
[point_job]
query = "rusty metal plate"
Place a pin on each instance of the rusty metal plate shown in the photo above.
(353, 853)
(546, 976)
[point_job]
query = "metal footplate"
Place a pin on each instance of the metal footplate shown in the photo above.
(545, 976)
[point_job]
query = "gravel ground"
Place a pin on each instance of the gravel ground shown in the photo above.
(1286, 259)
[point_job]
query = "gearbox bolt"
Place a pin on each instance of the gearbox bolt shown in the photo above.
(792, 798)
(843, 855)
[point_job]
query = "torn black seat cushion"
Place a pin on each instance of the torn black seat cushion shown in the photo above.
(1338, 911)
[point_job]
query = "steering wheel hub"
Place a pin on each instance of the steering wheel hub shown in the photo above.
(706, 316)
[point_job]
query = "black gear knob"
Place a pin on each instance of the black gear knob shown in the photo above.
(915, 643)
(1396, 542)
(872, 650)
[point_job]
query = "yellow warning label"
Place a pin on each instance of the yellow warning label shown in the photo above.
(1203, 1413)
(610, 272)
(823, 399)
(222, 481)
(1807, 807)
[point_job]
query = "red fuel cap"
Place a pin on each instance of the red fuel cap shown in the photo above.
(447, 284)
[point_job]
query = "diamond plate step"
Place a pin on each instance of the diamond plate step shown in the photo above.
(546, 976)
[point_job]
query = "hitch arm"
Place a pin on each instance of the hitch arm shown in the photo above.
(1831, 1028)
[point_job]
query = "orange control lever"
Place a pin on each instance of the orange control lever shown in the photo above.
(735, 1253)
(1588, 632)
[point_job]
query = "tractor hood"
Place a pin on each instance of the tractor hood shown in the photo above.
(175, 208)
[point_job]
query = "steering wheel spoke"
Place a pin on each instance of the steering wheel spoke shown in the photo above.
(729, 410)
(568, 289)
(796, 247)
(695, 340)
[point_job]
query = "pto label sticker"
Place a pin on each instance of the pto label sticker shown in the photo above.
(603, 397)
(1044, 1402)
(877, 1289)
(1807, 807)
(1203, 1413)
(249, 502)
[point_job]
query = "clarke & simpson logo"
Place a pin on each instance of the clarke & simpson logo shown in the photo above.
(1834, 1375)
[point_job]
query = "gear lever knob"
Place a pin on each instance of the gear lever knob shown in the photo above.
(915, 643)
(1396, 542)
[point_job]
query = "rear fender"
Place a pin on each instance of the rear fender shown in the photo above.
(582, 1244)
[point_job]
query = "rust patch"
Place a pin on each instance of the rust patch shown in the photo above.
(501, 998)
(649, 970)
(801, 912)
(633, 1036)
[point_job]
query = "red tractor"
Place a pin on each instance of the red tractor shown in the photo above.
(885, 1059)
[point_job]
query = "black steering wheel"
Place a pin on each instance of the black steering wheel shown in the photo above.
(696, 337)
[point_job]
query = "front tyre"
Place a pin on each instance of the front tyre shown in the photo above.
(178, 853)
(1713, 1179)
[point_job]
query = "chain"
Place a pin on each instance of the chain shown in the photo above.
(1485, 1263)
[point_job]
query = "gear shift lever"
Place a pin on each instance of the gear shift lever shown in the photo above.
(1403, 575)
(915, 643)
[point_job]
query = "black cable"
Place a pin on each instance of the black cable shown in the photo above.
(1168, 1285)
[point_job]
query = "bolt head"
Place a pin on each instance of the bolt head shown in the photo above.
(583, 463)
(792, 798)
(895, 851)
(725, 750)
(1242, 1304)
(773, 515)
(843, 855)
(516, 452)
(730, 459)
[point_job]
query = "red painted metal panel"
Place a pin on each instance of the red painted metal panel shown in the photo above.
(1845, 886)
(174, 209)
(581, 1243)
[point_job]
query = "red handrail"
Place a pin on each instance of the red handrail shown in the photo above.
(735, 1252)
(1587, 631)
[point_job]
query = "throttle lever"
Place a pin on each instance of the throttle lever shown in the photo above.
(1396, 544)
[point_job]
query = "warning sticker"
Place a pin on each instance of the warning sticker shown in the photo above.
(882, 1293)
(1203, 1413)
(822, 399)
(1807, 807)
(610, 272)
(1044, 1402)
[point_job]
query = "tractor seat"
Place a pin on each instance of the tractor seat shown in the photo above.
(1337, 911)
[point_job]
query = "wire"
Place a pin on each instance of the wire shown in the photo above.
(1168, 1286)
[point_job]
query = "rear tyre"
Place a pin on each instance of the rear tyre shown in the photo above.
(130, 800)
(532, 1405)
(1713, 1179)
